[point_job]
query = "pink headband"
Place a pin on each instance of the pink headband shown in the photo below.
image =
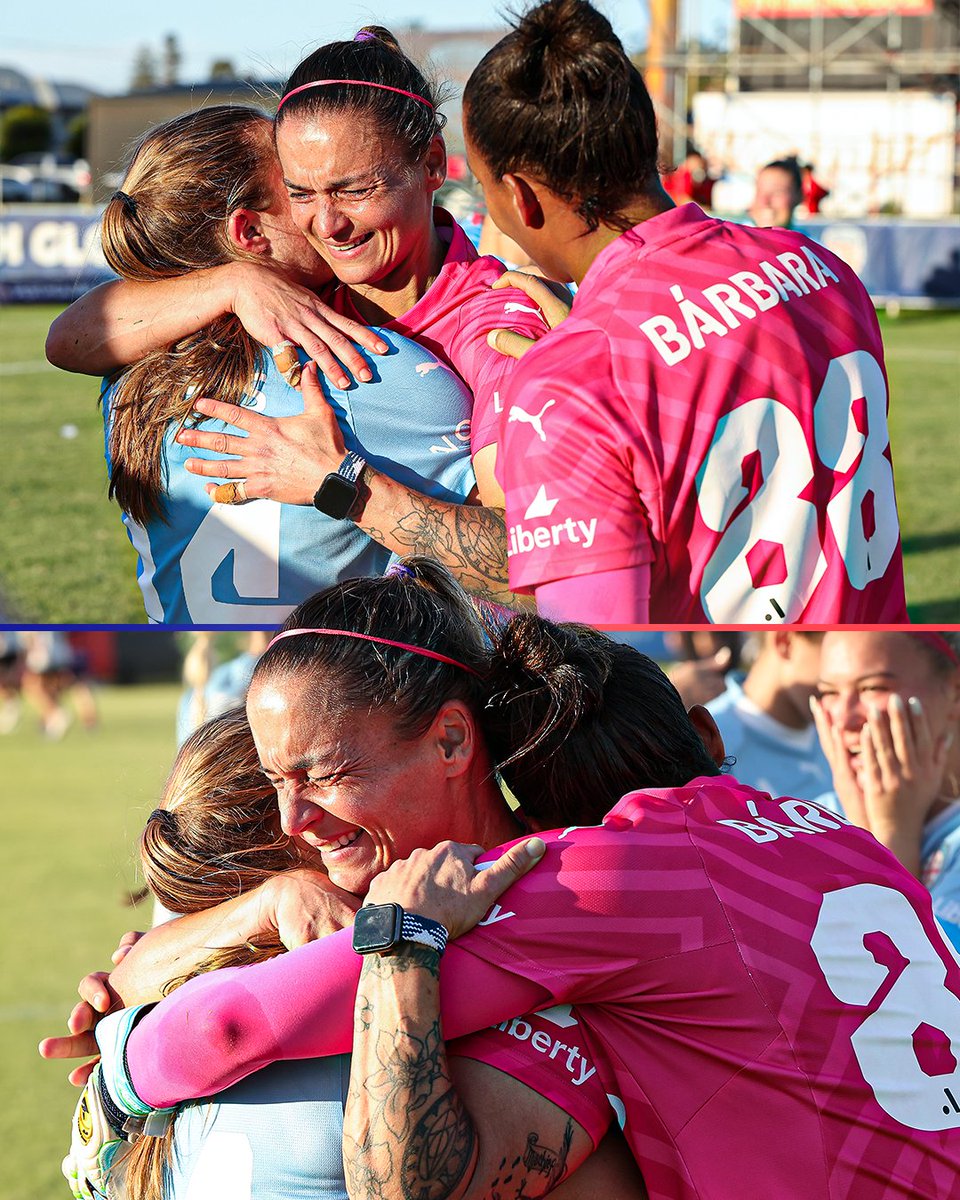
(366, 637)
(360, 83)
(939, 643)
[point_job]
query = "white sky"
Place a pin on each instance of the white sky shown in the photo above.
(94, 42)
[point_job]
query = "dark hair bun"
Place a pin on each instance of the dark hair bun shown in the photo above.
(558, 97)
(377, 33)
(565, 40)
(546, 677)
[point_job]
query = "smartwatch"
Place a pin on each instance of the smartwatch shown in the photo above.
(338, 492)
(382, 928)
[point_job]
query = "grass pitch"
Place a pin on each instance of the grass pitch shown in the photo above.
(72, 814)
(66, 559)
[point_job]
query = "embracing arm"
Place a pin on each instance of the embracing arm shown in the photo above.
(299, 906)
(418, 1123)
(287, 458)
(218, 1028)
(469, 539)
(117, 323)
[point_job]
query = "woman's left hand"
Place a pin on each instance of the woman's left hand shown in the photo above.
(444, 885)
(281, 458)
(903, 770)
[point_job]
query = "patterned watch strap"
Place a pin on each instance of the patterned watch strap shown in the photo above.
(424, 931)
(351, 467)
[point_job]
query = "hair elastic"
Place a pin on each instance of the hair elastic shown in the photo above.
(164, 816)
(367, 637)
(360, 83)
(398, 570)
(938, 642)
(365, 36)
(128, 202)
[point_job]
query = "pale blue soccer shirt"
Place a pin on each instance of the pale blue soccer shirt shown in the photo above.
(250, 564)
(770, 756)
(276, 1135)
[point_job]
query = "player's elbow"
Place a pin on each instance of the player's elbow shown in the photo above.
(76, 340)
(67, 348)
(220, 1052)
(58, 345)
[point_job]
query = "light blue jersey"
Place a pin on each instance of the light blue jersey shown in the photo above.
(940, 868)
(250, 564)
(276, 1135)
(770, 756)
(225, 689)
(939, 862)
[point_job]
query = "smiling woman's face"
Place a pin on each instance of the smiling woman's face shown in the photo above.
(348, 784)
(357, 198)
(861, 668)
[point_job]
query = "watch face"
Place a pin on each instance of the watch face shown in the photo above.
(335, 496)
(377, 928)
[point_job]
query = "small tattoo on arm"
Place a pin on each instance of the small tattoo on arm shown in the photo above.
(535, 1172)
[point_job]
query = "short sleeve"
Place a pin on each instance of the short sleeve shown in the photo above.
(486, 370)
(546, 1052)
(570, 466)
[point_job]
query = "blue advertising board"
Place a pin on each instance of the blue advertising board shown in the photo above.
(916, 263)
(54, 255)
(49, 255)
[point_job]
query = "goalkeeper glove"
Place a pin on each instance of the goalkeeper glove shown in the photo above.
(97, 1147)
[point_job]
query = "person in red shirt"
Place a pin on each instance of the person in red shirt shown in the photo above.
(690, 181)
(813, 190)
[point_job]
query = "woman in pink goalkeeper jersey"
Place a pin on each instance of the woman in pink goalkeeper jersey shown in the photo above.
(358, 133)
(705, 438)
(761, 987)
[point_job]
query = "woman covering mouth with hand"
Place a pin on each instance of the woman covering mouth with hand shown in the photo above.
(888, 716)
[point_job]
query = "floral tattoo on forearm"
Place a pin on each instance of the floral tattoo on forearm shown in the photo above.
(471, 541)
(419, 1140)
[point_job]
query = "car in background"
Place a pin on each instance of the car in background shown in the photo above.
(72, 173)
(18, 185)
(14, 185)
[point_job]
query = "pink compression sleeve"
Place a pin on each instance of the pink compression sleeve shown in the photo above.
(220, 1027)
(603, 598)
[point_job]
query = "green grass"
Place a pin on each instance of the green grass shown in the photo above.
(66, 557)
(923, 363)
(72, 814)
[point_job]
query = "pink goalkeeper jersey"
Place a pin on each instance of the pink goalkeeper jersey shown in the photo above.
(715, 406)
(763, 989)
(454, 317)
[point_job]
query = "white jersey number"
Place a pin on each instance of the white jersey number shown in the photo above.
(222, 1168)
(770, 558)
(252, 533)
(884, 1043)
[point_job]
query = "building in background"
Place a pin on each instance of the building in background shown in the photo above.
(118, 122)
(866, 90)
(63, 101)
